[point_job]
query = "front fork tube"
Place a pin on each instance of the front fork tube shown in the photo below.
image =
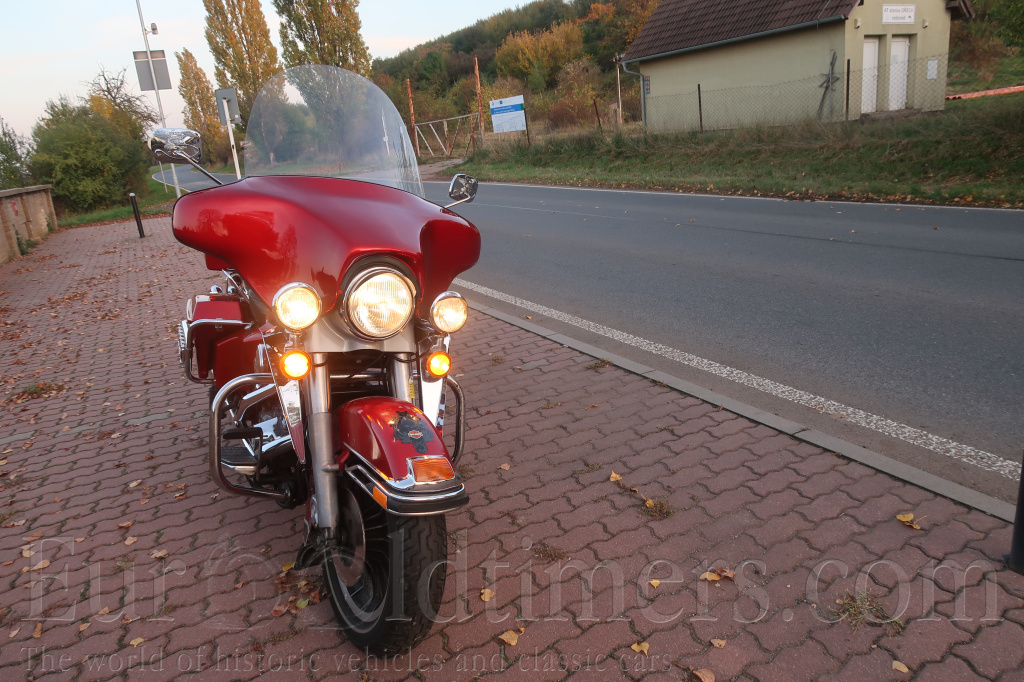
(321, 438)
(403, 387)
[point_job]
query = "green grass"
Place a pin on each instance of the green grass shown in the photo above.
(154, 203)
(972, 153)
(1006, 72)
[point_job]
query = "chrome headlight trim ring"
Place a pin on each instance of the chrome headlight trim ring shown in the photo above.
(361, 279)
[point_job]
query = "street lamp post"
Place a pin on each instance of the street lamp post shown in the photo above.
(156, 91)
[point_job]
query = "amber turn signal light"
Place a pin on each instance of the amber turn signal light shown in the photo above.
(295, 364)
(432, 469)
(439, 363)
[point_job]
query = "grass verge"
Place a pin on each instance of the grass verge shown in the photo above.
(970, 154)
(154, 203)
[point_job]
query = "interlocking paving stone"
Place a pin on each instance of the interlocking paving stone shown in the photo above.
(569, 553)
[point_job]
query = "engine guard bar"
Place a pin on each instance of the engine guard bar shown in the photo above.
(216, 471)
(460, 417)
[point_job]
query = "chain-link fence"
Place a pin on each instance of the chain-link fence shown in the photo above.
(835, 95)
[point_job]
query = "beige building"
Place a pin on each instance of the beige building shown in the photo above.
(711, 64)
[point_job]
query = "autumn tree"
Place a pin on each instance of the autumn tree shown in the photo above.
(110, 97)
(200, 110)
(322, 32)
(537, 58)
(13, 152)
(237, 33)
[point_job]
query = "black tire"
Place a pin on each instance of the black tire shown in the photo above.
(389, 603)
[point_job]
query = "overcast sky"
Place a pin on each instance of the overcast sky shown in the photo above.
(53, 47)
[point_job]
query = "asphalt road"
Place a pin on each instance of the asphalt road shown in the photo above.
(914, 314)
(190, 179)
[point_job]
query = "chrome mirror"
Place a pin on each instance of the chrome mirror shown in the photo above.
(463, 189)
(176, 145)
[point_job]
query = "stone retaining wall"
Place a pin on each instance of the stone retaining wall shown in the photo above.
(25, 213)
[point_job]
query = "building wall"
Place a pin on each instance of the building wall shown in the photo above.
(929, 39)
(768, 80)
(778, 79)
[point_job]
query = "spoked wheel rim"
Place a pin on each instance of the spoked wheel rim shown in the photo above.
(359, 564)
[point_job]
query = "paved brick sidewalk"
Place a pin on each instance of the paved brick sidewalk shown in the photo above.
(569, 554)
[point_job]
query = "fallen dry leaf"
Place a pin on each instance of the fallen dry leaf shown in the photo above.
(640, 647)
(655, 583)
(288, 566)
(102, 612)
(718, 643)
(279, 610)
(710, 576)
(79, 539)
(41, 565)
(614, 477)
(137, 641)
(898, 665)
(135, 483)
(131, 541)
(82, 627)
(34, 536)
(159, 554)
(511, 638)
(908, 520)
(505, 467)
(13, 633)
(27, 553)
(486, 595)
(704, 675)
(38, 632)
(126, 524)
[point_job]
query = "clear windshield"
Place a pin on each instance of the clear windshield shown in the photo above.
(329, 122)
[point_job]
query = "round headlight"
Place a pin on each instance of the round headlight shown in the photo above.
(297, 306)
(449, 312)
(379, 304)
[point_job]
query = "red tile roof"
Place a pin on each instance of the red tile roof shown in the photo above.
(678, 25)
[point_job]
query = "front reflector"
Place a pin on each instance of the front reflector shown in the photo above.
(432, 469)
(439, 364)
(295, 364)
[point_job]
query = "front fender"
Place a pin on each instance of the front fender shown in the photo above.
(384, 434)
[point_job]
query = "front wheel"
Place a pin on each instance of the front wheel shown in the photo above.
(385, 575)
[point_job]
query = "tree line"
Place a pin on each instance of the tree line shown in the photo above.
(560, 53)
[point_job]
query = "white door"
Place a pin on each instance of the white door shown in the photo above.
(898, 72)
(869, 79)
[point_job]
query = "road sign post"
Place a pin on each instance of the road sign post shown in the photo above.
(227, 109)
(164, 83)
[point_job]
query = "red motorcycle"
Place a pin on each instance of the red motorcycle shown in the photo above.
(326, 350)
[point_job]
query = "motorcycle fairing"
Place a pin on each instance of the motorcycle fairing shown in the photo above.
(279, 229)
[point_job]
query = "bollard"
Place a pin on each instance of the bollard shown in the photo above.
(138, 218)
(1015, 559)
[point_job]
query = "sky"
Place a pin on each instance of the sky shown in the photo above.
(55, 47)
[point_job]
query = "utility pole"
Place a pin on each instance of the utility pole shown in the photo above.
(618, 86)
(156, 91)
(479, 99)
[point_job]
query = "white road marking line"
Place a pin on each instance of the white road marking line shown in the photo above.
(723, 197)
(943, 446)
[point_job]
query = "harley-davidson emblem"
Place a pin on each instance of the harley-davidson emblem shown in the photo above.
(408, 431)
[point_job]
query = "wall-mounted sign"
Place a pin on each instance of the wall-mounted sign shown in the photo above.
(508, 115)
(898, 14)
